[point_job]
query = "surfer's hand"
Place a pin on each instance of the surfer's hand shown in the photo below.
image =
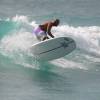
(52, 36)
(45, 38)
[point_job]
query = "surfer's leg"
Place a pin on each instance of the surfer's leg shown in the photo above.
(39, 33)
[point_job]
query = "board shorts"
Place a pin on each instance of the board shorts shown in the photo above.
(39, 33)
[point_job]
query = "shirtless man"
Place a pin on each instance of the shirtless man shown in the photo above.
(42, 31)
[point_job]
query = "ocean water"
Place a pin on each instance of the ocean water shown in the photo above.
(73, 77)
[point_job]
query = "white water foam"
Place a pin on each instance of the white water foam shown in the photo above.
(87, 38)
(64, 63)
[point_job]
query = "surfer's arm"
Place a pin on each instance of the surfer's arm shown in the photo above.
(49, 30)
(50, 34)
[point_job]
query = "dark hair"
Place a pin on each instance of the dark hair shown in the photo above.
(56, 22)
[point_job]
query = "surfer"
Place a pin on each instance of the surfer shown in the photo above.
(43, 30)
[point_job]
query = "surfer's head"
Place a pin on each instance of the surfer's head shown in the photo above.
(56, 22)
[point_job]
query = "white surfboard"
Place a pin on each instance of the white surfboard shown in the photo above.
(53, 48)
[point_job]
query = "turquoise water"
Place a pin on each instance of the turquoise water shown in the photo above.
(73, 77)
